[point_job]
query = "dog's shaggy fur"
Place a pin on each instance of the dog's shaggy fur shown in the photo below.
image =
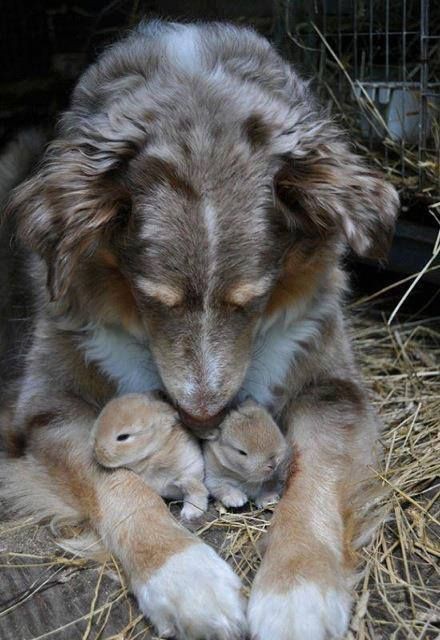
(187, 226)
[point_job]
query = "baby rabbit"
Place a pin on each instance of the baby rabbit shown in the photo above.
(142, 433)
(246, 460)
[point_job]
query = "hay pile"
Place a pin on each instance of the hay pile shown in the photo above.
(399, 594)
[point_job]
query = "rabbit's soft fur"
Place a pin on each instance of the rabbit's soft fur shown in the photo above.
(144, 434)
(246, 460)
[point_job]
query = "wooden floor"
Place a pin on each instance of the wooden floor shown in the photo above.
(47, 593)
(44, 593)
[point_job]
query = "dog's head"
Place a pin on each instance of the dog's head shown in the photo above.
(188, 204)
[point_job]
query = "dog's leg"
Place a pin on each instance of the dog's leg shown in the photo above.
(302, 589)
(180, 583)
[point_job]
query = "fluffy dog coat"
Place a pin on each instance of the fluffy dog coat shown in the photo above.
(187, 225)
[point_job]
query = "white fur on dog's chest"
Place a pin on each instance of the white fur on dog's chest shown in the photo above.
(277, 345)
(125, 360)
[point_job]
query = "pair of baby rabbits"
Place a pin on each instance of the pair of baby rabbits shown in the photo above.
(143, 433)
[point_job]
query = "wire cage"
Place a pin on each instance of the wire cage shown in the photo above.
(378, 63)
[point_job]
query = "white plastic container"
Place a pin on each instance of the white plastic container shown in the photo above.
(399, 105)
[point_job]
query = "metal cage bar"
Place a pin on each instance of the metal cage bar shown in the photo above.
(391, 55)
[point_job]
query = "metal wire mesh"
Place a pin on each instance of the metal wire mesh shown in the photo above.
(378, 63)
(45, 44)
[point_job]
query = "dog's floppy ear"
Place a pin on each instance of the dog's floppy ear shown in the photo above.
(64, 209)
(329, 189)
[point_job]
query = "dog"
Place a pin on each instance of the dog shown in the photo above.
(186, 229)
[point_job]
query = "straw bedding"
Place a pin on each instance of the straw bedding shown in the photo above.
(399, 592)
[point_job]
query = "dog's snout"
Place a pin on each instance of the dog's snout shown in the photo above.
(203, 422)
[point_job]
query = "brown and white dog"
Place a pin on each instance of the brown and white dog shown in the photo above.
(187, 226)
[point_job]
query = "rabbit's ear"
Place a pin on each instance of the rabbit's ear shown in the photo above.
(213, 435)
(248, 403)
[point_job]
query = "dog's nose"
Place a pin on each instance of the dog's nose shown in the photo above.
(202, 423)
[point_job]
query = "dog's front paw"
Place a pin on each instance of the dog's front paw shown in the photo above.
(195, 595)
(306, 611)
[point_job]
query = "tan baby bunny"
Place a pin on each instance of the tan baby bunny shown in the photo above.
(143, 433)
(246, 460)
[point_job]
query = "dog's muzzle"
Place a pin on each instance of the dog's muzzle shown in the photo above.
(204, 427)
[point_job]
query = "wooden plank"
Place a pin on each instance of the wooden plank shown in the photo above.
(44, 593)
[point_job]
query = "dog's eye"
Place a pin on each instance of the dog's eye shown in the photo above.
(242, 452)
(245, 309)
(237, 308)
(164, 294)
(123, 436)
(246, 294)
(241, 309)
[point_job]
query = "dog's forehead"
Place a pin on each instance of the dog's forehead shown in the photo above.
(203, 215)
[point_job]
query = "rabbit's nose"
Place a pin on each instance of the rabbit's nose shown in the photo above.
(102, 456)
(272, 464)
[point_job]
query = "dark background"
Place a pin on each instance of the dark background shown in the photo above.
(46, 45)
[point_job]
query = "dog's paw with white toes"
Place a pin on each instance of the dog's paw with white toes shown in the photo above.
(306, 612)
(195, 595)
